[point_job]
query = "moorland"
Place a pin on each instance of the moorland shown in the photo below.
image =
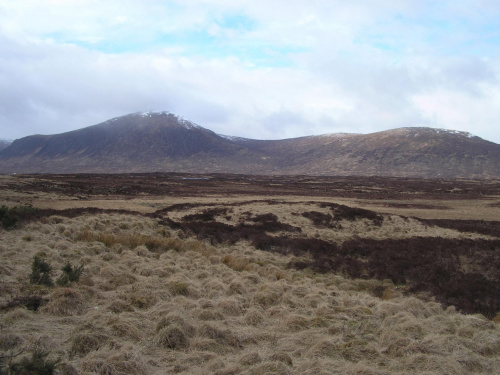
(237, 274)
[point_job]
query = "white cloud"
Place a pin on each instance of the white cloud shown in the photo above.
(251, 68)
(459, 111)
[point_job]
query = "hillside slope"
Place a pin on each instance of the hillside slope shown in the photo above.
(421, 152)
(4, 143)
(163, 142)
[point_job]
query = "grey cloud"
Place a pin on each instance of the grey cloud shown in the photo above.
(469, 74)
(334, 84)
(62, 88)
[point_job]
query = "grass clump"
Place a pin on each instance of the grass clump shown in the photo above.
(172, 337)
(153, 243)
(178, 288)
(65, 302)
(235, 262)
(84, 343)
(116, 362)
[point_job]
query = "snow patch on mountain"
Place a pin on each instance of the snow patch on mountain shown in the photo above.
(233, 138)
(180, 120)
(333, 135)
(413, 131)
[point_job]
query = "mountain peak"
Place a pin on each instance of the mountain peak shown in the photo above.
(162, 141)
(163, 118)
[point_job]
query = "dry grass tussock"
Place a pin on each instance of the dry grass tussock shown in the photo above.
(150, 302)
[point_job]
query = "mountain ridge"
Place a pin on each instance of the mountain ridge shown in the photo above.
(164, 142)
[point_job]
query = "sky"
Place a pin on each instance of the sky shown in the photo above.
(264, 69)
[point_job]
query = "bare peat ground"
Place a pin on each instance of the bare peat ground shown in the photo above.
(223, 265)
(176, 184)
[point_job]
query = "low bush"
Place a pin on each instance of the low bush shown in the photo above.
(217, 232)
(319, 219)
(489, 228)
(444, 267)
(9, 217)
(264, 218)
(38, 364)
(70, 274)
(41, 272)
(30, 302)
(354, 213)
(295, 246)
(341, 212)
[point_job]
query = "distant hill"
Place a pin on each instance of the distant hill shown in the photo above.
(149, 142)
(4, 143)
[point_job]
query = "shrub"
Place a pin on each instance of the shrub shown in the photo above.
(30, 302)
(37, 364)
(354, 213)
(9, 217)
(437, 265)
(319, 219)
(265, 218)
(40, 272)
(70, 274)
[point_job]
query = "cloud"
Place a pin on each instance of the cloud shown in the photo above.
(251, 68)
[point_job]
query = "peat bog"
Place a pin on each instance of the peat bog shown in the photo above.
(231, 274)
(464, 272)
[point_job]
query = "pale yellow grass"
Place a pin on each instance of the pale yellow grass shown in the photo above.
(197, 309)
(460, 209)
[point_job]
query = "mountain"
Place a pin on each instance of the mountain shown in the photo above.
(149, 142)
(4, 143)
